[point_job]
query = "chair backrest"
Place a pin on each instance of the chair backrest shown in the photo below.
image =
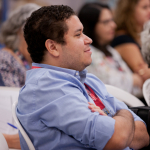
(124, 96)
(25, 136)
(3, 143)
(146, 91)
(11, 91)
(7, 96)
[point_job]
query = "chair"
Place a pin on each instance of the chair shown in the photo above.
(124, 96)
(146, 91)
(25, 136)
(3, 143)
(7, 97)
(12, 91)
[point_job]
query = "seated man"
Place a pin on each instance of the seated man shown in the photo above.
(57, 105)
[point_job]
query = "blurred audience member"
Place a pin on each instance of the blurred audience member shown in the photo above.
(14, 58)
(14, 4)
(106, 62)
(145, 38)
(130, 17)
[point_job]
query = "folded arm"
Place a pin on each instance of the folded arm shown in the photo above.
(124, 128)
(141, 137)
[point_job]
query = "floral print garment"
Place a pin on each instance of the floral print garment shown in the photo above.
(12, 72)
(112, 70)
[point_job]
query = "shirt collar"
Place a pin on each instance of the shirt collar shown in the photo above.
(81, 74)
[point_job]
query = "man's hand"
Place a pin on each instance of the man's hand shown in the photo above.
(95, 108)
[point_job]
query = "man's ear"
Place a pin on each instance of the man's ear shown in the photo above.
(52, 47)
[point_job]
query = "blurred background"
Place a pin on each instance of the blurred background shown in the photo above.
(6, 6)
(120, 30)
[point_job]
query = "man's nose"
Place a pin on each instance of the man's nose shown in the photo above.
(88, 40)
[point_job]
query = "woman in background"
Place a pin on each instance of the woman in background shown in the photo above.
(106, 62)
(145, 39)
(130, 16)
(14, 57)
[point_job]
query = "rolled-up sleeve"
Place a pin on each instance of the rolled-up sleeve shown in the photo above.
(104, 129)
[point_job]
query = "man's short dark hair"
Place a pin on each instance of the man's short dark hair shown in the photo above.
(48, 22)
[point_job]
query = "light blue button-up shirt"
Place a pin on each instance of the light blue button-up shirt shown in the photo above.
(53, 110)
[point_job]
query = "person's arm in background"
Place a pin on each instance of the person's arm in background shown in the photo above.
(137, 80)
(132, 56)
(13, 141)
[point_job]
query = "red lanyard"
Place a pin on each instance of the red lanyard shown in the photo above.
(35, 67)
(95, 98)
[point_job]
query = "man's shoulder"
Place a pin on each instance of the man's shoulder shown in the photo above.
(34, 75)
(49, 76)
(44, 77)
(96, 83)
(92, 78)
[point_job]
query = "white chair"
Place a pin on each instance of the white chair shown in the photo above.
(146, 91)
(12, 91)
(8, 95)
(25, 136)
(3, 143)
(124, 96)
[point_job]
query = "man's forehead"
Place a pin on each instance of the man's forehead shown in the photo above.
(74, 24)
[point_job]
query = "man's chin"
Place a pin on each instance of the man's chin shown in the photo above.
(88, 63)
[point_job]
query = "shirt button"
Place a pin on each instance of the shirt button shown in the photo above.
(76, 73)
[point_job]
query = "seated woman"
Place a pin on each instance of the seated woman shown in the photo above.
(130, 17)
(106, 62)
(145, 39)
(14, 58)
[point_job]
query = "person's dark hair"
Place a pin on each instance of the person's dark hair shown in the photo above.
(89, 16)
(48, 22)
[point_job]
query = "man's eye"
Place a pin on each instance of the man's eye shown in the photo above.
(78, 34)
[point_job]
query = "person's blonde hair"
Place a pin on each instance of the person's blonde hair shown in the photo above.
(124, 16)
